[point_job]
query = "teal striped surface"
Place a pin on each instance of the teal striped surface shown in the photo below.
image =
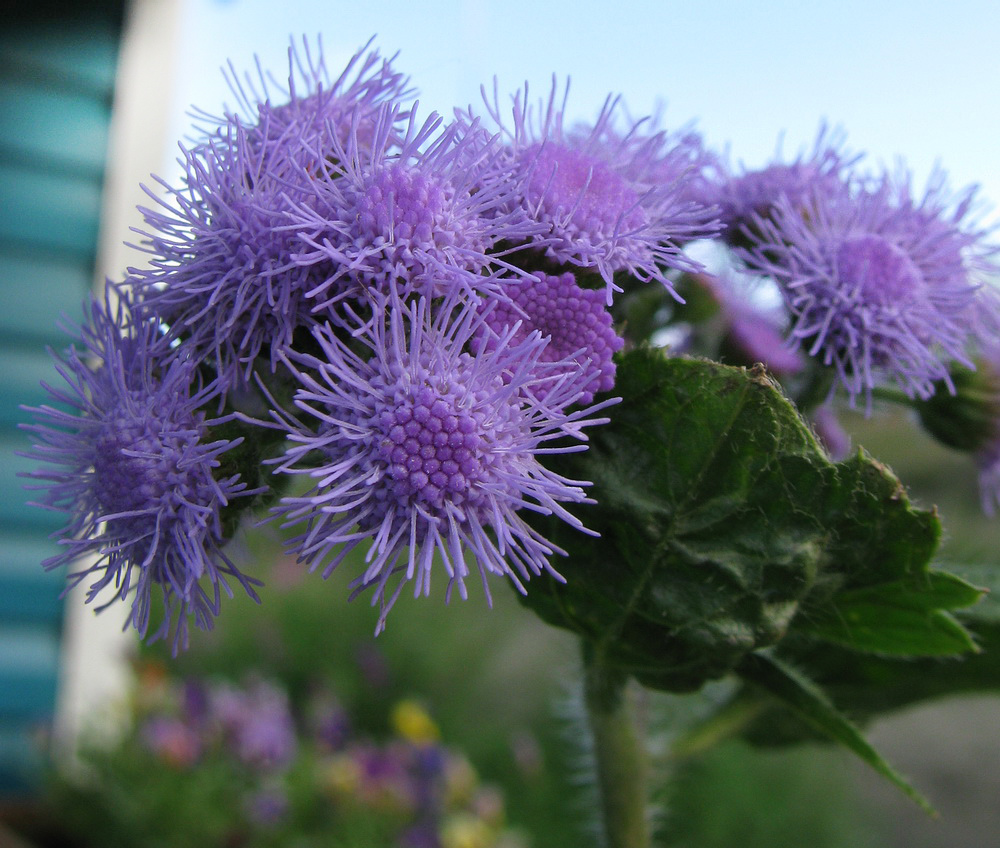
(56, 87)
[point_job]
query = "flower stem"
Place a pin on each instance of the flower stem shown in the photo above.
(620, 759)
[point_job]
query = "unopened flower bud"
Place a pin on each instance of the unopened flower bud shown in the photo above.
(967, 419)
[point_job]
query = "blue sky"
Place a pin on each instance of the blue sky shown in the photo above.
(917, 81)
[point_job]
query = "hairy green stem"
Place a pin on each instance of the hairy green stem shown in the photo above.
(619, 757)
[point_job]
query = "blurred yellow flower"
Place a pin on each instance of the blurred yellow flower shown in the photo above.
(466, 831)
(411, 721)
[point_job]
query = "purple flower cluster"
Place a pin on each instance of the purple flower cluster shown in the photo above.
(414, 313)
(256, 723)
(419, 210)
(884, 289)
(142, 473)
(410, 313)
(223, 271)
(253, 722)
(879, 285)
(610, 201)
(429, 450)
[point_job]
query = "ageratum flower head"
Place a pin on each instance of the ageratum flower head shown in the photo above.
(393, 210)
(575, 320)
(598, 192)
(742, 197)
(968, 419)
(222, 271)
(429, 451)
(879, 284)
(310, 104)
(131, 460)
(683, 161)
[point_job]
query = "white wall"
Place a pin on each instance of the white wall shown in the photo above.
(96, 655)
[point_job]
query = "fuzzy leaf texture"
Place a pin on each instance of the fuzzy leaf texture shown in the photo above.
(725, 527)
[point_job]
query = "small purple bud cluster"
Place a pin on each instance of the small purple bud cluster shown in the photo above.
(432, 443)
(256, 723)
(575, 319)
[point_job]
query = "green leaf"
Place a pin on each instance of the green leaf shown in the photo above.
(897, 618)
(987, 576)
(875, 536)
(863, 685)
(724, 527)
(867, 686)
(710, 494)
(808, 702)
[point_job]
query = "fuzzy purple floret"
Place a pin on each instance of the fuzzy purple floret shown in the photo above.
(132, 464)
(221, 248)
(394, 208)
(575, 320)
(599, 193)
(823, 170)
(221, 273)
(429, 452)
(310, 103)
(879, 284)
(257, 722)
(688, 166)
